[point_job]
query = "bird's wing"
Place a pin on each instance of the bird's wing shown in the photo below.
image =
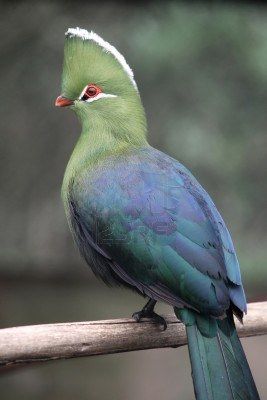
(163, 233)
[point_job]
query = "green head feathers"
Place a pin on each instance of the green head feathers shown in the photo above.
(89, 59)
(99, 86)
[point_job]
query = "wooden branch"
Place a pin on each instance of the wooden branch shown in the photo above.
(30, 344)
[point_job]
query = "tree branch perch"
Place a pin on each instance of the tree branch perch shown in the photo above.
(30, 344)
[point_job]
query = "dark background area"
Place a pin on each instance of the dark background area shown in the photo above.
(201, 69)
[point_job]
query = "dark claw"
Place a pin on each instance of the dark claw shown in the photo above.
(152, 315)
(160, 320)
(137, 316)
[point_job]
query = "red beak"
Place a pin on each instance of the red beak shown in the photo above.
(62, 101)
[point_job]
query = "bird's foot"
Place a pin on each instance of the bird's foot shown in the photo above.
(158, 319)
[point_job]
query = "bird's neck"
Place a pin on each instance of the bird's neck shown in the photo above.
(99, 140)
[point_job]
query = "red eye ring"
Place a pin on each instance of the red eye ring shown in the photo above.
(90, 91)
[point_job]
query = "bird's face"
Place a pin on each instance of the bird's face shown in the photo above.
(91, 92)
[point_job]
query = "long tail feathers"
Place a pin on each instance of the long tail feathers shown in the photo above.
(220, 370)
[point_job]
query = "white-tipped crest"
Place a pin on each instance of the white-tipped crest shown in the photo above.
(107, 47)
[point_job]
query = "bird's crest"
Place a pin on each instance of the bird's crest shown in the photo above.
(107, 47)
(90, 59)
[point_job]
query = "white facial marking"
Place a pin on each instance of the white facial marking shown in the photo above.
(107, 47)
(97, 97)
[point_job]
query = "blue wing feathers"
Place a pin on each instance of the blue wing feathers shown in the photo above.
(160, 231)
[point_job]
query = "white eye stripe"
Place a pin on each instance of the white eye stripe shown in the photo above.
(97, 97)
(81, 95)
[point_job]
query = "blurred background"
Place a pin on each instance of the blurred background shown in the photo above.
(202, 71)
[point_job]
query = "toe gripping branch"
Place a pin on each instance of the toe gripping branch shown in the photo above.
(148, 312)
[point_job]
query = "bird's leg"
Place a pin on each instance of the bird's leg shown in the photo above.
(148, 312)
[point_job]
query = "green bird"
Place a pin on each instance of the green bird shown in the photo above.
(141, 219)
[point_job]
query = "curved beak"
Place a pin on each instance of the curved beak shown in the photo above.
(62, 101)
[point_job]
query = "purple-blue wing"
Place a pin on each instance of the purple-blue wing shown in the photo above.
(160, 231)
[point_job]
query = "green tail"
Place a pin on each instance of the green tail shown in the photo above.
(220, 370)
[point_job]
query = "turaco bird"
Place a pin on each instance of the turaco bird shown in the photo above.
(141, 219)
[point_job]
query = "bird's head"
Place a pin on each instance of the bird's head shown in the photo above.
(98, 84)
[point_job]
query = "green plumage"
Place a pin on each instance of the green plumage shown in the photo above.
(141, 220)
(219, 366)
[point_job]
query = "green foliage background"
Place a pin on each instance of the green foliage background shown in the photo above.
(202, 72)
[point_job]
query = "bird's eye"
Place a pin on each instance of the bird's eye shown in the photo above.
(89, 92)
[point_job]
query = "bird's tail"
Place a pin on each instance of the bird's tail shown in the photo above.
(220, 370)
